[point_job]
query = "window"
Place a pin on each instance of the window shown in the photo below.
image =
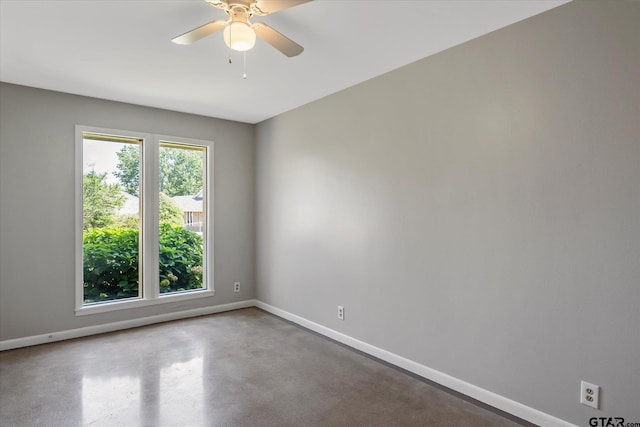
(143, 219)
(182, 179)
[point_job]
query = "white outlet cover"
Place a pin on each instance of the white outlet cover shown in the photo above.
(589, 390)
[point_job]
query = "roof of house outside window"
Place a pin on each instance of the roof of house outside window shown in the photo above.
(131, 205)
(192, 203)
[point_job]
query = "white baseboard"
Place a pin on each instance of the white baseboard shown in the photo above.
(500, 402)
(125, 324)
(485, 396)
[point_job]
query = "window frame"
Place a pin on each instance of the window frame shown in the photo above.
(150, 207)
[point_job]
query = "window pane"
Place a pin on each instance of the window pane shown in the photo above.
(110, 218)
(183, 224)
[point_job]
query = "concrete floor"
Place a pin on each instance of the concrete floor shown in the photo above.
(241, 368)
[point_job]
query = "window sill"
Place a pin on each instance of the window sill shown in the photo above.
(135, 303)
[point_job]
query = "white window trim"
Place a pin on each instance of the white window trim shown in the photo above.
(150, 239)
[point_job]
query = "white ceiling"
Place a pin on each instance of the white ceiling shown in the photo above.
(121, 50)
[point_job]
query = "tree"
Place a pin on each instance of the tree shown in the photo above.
(180, 170)
(100, 200)
(128, 172)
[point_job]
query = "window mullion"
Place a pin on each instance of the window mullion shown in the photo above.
(78, 218)
(151, 201)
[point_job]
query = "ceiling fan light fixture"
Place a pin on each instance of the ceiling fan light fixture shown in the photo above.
(239, 36)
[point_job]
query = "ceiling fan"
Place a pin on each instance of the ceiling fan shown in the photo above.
(240, 34)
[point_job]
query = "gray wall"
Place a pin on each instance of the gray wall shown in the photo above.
(37, 205)
(477, 211)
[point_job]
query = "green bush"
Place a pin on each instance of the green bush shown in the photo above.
(170, 211)
(111, 262)
(180, 259)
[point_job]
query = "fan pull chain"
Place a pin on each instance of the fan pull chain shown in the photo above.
(244, 74)
(230, 51)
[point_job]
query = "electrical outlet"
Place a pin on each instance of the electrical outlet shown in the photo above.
(236, 287)
(589, 394)
(340, 312)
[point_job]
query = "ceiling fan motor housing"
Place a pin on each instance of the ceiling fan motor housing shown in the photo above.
(239, 14)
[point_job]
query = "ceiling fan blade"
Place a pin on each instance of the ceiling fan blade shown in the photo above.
(277, 40)
(220, 4)
(200, 32)
(265, 7)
